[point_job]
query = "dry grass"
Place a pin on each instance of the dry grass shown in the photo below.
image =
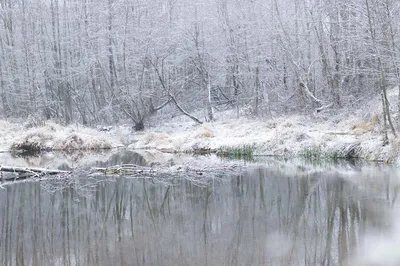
(204, 133)
(365, 126)
(343, 133)
(54, 137)
(34, 121)
(81, 142)
(155, 137)
(32, 142)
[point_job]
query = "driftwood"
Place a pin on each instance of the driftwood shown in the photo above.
(27, 172)
(12, 169)
(167, 174)
(126, 169)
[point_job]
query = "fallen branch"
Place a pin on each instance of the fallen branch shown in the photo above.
(123, 170)
(165, 173)
(324, 107)
(200, 175)
(28, 170)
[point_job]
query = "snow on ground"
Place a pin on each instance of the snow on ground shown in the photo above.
(51, 136)
(8, 133)
(288, 136)
(334, 133)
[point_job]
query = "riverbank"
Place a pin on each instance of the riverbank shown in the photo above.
(352, 132)
(316, 136)
(49, 136)
(355, 133)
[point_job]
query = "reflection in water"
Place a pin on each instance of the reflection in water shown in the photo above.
(73, 159)
(123, 157)
(258, 218)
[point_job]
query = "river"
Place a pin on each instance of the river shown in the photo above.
(266, 215)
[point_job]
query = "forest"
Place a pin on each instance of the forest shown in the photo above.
(103, 61)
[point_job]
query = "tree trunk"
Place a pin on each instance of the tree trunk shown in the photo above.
(139, 126)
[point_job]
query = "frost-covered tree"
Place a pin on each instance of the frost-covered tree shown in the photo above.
(105, 60)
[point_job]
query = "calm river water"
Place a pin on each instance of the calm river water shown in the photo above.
(260, 217)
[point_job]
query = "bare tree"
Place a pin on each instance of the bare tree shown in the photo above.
(100, 61)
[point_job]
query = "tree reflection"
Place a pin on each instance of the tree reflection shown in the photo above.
(258, 218)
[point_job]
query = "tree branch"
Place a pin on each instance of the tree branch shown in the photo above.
(172, 97)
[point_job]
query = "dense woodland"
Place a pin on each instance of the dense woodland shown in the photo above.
(100, 61)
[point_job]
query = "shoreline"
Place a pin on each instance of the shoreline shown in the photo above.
(289, 136)
(286, 137)
(328, 135)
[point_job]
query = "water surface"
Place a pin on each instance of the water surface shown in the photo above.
(261, 217)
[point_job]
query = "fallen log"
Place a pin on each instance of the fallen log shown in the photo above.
(33, 171)
(121, 170)
(200, 175)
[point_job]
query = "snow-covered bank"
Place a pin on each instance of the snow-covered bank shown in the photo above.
(51, 136)
(343, 133)
(333, 133)
(312, 135)
(284, 136)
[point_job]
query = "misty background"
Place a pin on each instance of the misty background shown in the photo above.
(103, 61)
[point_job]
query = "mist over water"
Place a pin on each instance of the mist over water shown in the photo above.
(261, 217)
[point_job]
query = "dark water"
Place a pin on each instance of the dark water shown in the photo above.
(261, 217)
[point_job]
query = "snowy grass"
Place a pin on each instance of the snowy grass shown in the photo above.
(204, 133)
(55, 137)
(332, 134)
(238, 152)
(342, 151)
(313, 153)
(33, 142)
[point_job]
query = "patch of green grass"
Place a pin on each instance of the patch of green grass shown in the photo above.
(316, 154)
(312, 153)
(237, 152)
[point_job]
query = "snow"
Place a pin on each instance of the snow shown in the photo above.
(332, 132)
(52, 136)
(8, 132)
(289, 136)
